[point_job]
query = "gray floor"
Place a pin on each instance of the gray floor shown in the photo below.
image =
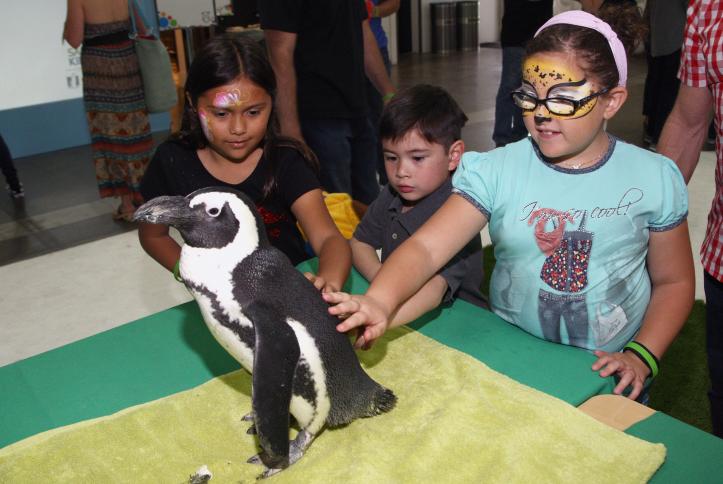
(68, 271)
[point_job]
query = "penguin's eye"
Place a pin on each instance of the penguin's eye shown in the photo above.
(213, 211)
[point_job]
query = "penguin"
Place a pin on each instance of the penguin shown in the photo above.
(271, 319)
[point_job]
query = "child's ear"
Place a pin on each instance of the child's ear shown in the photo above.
(614, 99)
(455, 154)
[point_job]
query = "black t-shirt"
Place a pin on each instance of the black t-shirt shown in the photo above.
(521, 19)
(329, 55)
(177, 170)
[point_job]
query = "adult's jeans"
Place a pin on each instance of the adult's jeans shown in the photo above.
(714, 346)
(508, 117)
(347, 150)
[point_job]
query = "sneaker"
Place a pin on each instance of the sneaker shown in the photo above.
(17, 192)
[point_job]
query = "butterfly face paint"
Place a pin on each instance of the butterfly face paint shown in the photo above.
(560, 78)
(234, 118)
(232, 98)
(205, 124)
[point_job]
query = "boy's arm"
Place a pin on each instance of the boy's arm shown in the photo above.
(157, 242)
(671, 299)
(364, 258)
(426, 299)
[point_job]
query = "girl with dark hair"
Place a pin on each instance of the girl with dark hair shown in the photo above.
(590, 233)
(229, 138)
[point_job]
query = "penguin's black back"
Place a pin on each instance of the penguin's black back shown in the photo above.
(267, 275)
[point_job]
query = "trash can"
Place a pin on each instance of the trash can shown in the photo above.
(444, 27)
(467, 25)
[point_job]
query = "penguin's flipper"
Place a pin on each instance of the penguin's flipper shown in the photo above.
(275, 357)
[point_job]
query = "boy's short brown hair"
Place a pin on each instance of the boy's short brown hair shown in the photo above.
(428, 109)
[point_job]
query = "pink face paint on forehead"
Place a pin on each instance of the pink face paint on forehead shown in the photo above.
(234, 97)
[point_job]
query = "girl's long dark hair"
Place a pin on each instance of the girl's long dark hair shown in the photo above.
(221, 61)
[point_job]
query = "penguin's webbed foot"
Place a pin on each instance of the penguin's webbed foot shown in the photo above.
(268, 473)
(297, 447)
(249, 417)
(255, 459)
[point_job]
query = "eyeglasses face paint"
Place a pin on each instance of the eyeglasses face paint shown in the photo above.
(544, 79)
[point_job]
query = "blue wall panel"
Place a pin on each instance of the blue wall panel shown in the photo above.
(55, 126)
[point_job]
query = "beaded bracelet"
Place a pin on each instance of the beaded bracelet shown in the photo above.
(388, 96)
(177, 271)
(645, 355)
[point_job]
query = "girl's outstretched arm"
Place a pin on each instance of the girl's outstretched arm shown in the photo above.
(326, 240)
(157, 242)
(408, 268)
(670, 266)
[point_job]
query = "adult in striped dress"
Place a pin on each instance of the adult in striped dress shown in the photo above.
(113, 95)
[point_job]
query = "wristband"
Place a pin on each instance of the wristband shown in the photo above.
(645, 355)
(375, 12)
(388, 96)
(177, 271)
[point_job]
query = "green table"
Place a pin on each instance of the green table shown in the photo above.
(172, 351)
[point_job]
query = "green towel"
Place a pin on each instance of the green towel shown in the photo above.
(456, 421)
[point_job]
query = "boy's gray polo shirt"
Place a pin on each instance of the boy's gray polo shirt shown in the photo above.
(385, 227)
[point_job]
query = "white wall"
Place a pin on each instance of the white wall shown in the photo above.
(36, 67)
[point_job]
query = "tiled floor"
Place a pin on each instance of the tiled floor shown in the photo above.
(68, 271)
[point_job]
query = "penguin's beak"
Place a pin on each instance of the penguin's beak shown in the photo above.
(173, 211)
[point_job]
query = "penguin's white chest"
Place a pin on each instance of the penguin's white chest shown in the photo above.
(240, 350)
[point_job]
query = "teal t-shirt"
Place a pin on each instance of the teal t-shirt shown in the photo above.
(571, 245)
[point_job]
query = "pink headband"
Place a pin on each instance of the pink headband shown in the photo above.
(584, 19)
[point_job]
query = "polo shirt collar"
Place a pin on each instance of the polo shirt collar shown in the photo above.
(417, 216)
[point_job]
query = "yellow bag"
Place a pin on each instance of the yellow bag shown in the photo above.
(340, 208)
(342, 212)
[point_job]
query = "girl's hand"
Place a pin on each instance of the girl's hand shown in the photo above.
(628, 367)
(320, 283)
(358, 312)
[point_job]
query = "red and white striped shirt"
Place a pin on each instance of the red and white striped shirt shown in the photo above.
(702, 66)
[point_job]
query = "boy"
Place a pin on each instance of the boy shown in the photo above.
(420, 130)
